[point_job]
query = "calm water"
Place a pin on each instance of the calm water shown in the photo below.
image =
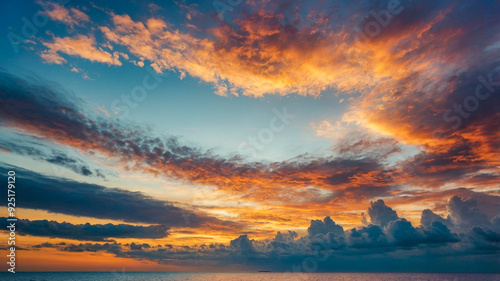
(153, 276)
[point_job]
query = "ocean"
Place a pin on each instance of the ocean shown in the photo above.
(158, 276)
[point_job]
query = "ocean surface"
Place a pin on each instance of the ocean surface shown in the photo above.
(155, 276)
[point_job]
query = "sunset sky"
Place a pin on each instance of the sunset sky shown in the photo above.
(252, 135)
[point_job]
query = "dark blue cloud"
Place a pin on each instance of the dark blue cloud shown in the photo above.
(380, 214)
(428, 217)
(90, 232)
(82, 199)
(36, 150)
(324, 227)
(371, 236)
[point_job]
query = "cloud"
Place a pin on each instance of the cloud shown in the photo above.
(371, 236)
(488, 235)
(466, 212)
(41, 111)
(438, 232)
(389, 70)
(71, 17)
(242, 245)
(273, 54)
(79, 46)
(64, 196)
(381, 214)
(403, 233)
(89, 232)
(444, 76)
(134, 246)
(398, 242)
(280, 48)
(428, 217)
(358, 145)
(89, 247)
(267, 55)
(324, 227)
(356, 174)
(38, 151)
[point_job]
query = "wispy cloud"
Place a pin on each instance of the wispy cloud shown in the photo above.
(80, 46)
(69, 16)
(36, 150)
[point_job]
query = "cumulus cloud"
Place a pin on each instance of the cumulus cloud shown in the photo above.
(242, 244)
(466, 212)
(381, 214)
(403, 233)
(367, 237)
(428, 217)
(324, 227)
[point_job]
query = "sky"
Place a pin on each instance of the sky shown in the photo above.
(300, 136)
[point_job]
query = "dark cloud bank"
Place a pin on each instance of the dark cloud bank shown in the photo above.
(87, 232)
(69, 197)
(466, 240)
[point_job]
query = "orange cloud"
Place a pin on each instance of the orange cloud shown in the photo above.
(80, 46)
(71, 17)
(407, 77)
(260, 57)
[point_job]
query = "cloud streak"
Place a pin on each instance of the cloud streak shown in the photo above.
(37, 151)
(65, 196)
(81, 46)
(87, 232)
